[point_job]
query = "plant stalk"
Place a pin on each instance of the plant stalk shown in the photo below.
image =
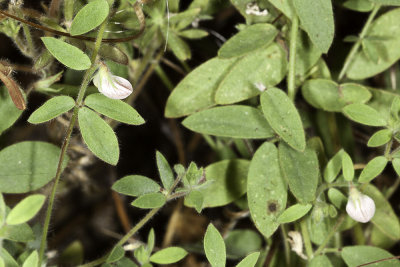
(355, 47)
(330, 234)
(306, 238)
(64, 147)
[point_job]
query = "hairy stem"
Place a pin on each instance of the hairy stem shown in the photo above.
(355, 47)
(306, 238)
(64, 147)
(291, 79)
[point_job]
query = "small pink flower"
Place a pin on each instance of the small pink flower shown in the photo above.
(360, 207)
(110, 85)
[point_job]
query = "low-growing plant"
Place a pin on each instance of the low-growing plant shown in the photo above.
(299, 131)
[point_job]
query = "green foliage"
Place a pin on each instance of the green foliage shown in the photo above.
(329, 96)
(114, 108)
(240, 243)
(26, 209)
(387, 30)
(27, 166)
(98, 136)
(316, 18)
(263, 67)
(247, 40)
(380, 138)
(168, 255)
(364, 114)
(9, 113)
(89, 17)
(357, 255)
(214, 247)
(266, 189)
(150, 201)
(135, 185)
(301, 170)
(67, 54)
(196, 91)
(165, 171)
(249, 261)
(234, 121)
(227, 180)
(320, 260)
(32, 260)
(283, 117)
(294, 213)
(116, 254)
(52, 109)
(373, 168)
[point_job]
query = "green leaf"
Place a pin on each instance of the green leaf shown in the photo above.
(265, 67)
(333, 167)
(240, 243)
(380, 138)
(214, 247)
(3, 210)
(150, 241)
(32, 260)
(165, 171)
(301, 170)
(28, 166)
(135, 185)
(179, 47)
(247, 40)
(337, 198)
(18, 233)
(249, 261)
(387, 25)
(227, 181)
(195, 199)
(359, 5)
(387, 2)
(196, 91)
(116, 254)
(396, 165)
(67, 54)
(293, 213)
(385, 219)
(8, 259)
(373, 168)
(316, 18)
(98, 136)
(230, 121)
(307, 54)
(193, 34)
(319, 261)
(283, 117)
(358, 255)
(26, 209)
(329, 96)
(89, 17)
(114, 108)
(150, 201)
(9, 113)
(168, 255)
(52, 109)
(364, 114)
(347, 166)
(266, 189)
(286, 7)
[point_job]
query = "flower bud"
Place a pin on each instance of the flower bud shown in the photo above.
(360, 207)
(110, 85)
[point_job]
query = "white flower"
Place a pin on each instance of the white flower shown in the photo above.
(110, 85)
(360, 207)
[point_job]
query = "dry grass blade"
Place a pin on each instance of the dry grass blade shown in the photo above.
(14, 91)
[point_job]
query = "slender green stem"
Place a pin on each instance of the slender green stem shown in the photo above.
(64, 147)
(291, 79)
(355, 47)
(392, 188)
(330, 234)
(388, 148)
(286, 244)
(306, 238)
(164, 78)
